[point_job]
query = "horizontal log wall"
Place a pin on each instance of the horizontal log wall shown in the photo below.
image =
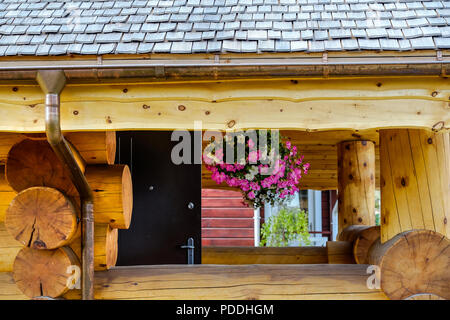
(301, 104)
(264, 255)
(280, 282)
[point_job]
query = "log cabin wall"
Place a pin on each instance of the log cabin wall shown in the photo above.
(40, 226)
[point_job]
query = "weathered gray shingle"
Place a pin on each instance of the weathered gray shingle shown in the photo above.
(30, 27)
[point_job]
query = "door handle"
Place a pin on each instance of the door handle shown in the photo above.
(190, 248)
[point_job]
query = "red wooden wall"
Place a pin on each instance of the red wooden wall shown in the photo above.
(226, 220)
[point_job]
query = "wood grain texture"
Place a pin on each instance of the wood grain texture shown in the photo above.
(279, 282)
(113, 194)
(9, 247)
(356, 183)
(6, 194)
(32, 163)
(42, 218)
(413, 262)
(362, 238)
(96, 147)
(340, 252)
(264, 255)
(306, 104)
(415, 187)
(43, 272)
(105, 247)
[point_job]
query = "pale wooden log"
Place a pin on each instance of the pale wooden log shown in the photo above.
(340, 252)
(44, 272)
(7, 140)
(105, 247)
(42, 218)
(234, 282)
(32, 163)
(362, 238)
(306, 104)
(351, 232)
(280, 282)
(364, 242)
(415, 178)
(414, 261)
(264, 255)
(96, 147)
(356, 183)
(6, 194)
(113, 194)
(9, 248)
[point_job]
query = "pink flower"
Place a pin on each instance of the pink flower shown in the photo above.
(251, 195)
(255, 186)
(253, 157)
(230, 167)
(251, 144)
(288, 144)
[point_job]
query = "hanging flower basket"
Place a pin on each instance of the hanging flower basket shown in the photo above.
(267, 173)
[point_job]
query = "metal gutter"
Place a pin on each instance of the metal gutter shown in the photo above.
(229, 68)
(52, 83)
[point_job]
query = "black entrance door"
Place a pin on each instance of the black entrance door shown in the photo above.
(166, 201)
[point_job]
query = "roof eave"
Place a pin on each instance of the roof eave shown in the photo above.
(98, 70)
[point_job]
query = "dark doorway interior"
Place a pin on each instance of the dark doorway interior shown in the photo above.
(166, 201)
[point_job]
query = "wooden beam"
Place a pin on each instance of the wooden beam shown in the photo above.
(415, 181)
(319, 281)
(94, 147)
(340, 252)
(356, 183)
(264, 255)
(203, 282)
(306, 104)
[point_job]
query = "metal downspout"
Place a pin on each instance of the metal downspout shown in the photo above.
(52, 82)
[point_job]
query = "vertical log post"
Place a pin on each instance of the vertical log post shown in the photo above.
(415, 178)
(356, 183)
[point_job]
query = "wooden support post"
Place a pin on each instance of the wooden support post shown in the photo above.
(356, 183)
(415, 178)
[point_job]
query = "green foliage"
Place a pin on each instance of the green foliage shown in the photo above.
(377, 219)
(288, 225)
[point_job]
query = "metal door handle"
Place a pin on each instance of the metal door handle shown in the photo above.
(190, 247)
